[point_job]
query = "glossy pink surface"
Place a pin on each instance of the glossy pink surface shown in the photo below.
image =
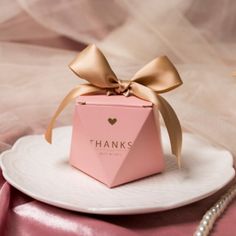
(115, 139)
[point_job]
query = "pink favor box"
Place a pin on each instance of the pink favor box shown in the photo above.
(116, 139)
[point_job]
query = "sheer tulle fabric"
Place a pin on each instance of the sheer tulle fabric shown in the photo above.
(38, 38)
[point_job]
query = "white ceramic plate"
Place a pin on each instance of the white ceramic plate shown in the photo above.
(42, 171)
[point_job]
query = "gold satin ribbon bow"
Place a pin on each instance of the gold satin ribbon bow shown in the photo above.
(158, 76)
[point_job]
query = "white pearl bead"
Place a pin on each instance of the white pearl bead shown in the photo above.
(213, 210)
(198, 234)
(205, 222)
(201, 228)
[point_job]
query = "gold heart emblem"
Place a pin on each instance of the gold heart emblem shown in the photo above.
(112, 121)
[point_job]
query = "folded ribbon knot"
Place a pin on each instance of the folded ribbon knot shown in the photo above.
(124, 87)
(158, 76)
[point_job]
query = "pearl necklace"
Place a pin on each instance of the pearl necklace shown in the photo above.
(214, 212)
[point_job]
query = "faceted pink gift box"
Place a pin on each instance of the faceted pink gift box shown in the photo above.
(116, 139)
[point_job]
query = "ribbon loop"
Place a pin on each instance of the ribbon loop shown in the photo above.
(158, 76)
(91, 65)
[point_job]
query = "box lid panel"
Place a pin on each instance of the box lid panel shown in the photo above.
(113, 100)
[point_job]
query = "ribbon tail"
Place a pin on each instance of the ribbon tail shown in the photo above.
(169, 116)
(79, 90)
(173, 127)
